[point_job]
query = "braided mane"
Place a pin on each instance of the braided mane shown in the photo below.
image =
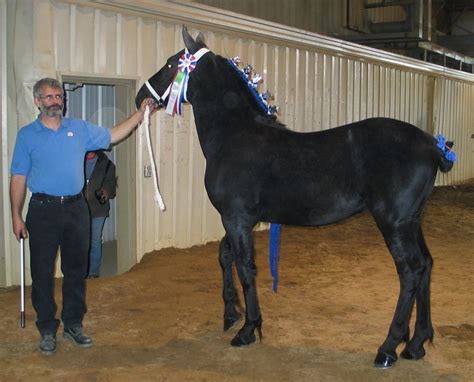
(251, 97)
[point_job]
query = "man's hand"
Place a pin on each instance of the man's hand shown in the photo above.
(102, 195)
(19, 229)
(151, 103)
(123, 130)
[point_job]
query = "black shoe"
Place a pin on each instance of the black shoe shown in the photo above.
(77, 336)
(47, 345)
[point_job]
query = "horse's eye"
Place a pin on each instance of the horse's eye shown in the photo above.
(169, 65)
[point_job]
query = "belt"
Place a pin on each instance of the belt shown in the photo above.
(56, 199)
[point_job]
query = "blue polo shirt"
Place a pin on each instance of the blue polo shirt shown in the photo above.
(53, 161)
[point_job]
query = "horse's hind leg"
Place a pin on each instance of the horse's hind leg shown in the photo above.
(423, 325)
(240, 236)
(229, 294)
(410, 264)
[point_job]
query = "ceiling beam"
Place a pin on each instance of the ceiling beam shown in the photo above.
(461, 43)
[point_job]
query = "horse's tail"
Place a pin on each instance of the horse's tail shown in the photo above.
(446, 155)
(444, 164)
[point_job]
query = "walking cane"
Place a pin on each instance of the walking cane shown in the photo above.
(22, 286)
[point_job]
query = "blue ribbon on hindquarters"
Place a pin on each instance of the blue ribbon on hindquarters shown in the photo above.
(449, 154)
(275, 230)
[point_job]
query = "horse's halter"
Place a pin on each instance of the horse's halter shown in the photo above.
(159, 99)
(186, 65)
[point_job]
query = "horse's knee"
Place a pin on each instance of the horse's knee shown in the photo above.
(225, 253)
(411, 269)
(247, 273)
(225, 244)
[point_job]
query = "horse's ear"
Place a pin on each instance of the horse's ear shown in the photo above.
(188, 40)
(200, 38)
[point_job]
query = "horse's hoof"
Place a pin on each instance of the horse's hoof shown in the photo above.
(230, 322)
(240, 340)
(237, 342)
(384, 360)
(412, 356)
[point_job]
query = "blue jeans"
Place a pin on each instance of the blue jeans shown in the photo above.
(95, 254)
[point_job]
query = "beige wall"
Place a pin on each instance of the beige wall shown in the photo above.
(318, 82)
(5, 221)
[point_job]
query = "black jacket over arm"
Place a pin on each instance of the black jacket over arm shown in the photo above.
(103, 176)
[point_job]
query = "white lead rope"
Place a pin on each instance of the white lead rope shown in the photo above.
(146, 125)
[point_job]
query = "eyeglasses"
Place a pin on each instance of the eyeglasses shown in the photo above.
(50, 97)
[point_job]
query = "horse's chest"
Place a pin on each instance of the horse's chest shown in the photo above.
(225, 183)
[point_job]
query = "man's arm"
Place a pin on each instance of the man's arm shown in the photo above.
(17, 200)
(123, 130)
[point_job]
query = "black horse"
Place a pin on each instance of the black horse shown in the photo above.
(258, 170)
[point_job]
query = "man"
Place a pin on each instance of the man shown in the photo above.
(49, 159)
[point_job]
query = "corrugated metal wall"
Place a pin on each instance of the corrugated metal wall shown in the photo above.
(453, 116)
(318, 82)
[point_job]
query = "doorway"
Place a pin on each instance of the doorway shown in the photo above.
(107, 103)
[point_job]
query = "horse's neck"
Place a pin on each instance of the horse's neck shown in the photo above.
(214, 126)
(220, 110)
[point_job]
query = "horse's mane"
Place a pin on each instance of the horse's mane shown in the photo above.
(238, 82)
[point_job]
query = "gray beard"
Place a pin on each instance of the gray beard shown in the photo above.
(50, 112)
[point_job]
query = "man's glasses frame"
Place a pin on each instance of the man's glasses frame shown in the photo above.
(51, 97)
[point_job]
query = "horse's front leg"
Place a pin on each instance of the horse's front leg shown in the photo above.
(231, 299)
(241, 240)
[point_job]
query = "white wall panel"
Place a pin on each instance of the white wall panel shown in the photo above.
(82, 39)
(318, 82)
(5, 230)
(457, 123)
(62, 45)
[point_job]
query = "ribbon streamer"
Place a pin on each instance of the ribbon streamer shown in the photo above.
(175, 94)
(186, 65)
(275, 230)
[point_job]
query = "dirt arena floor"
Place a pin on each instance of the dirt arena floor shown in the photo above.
(162, 321)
